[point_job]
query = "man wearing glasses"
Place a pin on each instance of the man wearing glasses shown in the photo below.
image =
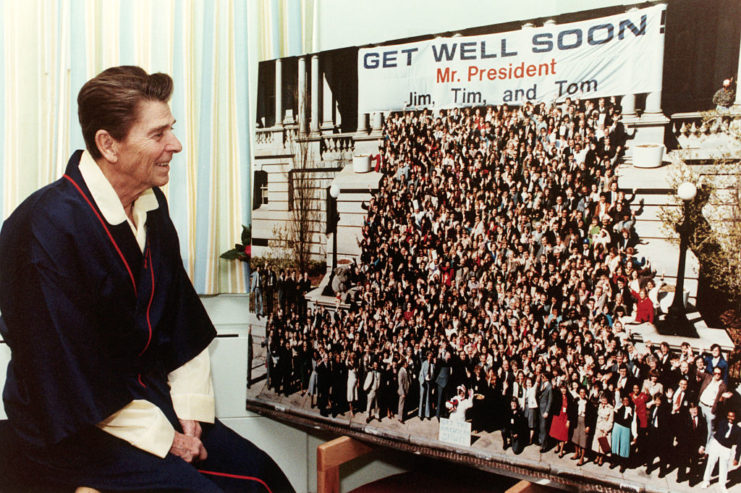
(712, 392)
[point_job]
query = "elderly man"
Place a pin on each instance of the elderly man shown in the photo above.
(109, 384)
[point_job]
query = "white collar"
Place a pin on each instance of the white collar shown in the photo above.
(110, 204)
(106, 197)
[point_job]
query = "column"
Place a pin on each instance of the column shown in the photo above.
(314, 121)
(653, 102)
(362, 122)
(328, 121)
(376, 121)
(278, 92)
(653, 99)
(301, 89)
(628, 104)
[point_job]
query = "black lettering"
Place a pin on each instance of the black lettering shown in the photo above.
(590, 34)
(445, 51)
(468, 51)
(484, 54)
(563, 34)
(542, 43)
(389, 59)
(504, 49)
(409, 52)
(629, 25)
(370, 60)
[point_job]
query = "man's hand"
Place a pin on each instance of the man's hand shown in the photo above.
(188, 448)
(191, 427)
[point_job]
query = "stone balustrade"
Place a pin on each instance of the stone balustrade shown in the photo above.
(707, 134)
(337, 147)
(275, 138)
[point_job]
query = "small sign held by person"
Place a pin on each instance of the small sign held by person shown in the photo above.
(455, 432)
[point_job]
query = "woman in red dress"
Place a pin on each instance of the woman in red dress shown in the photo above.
(560, 423)
(640, 398)
(644, 308)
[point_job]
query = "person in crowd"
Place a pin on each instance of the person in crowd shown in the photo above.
(460, 403)
(269, 283)
(514, 431)
(601, 442)
(640, 400)
(371, 386)
(280, 286)
(644, 308)
(403, 385)
(712, 392)
(624, 423)
(720, 450)
(531, 408)
(716, 360)
(544, 395)
(352, 384)
(724, 97)
(338, 392)
(692, 436)
(426, 384)
(256, 285)
(109, 382)
(560, 422)
(442, 381)
(303, 286)
(584, 415)
(313, 387)
(324, 384)
(659, 438)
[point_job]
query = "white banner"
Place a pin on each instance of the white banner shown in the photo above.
(616, 55)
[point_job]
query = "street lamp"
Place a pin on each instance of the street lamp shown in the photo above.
(675, 322)
(333, 218)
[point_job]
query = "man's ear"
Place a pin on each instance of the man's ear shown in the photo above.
(107, 145)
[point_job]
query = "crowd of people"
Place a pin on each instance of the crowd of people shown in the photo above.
(498, 283)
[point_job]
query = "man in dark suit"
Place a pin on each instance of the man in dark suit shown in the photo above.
(442, 380)
(678, 402)
(544, 394)
(692, 435)
(622, 383)
(658, 443)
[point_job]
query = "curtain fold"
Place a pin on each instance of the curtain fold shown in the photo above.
(49, 48)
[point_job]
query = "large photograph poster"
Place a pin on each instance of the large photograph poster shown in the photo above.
(493, 289)
(621, 54)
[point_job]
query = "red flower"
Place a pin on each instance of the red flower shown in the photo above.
(248, 250)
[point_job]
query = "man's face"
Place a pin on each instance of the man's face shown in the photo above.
(145, 153)
(731, 417)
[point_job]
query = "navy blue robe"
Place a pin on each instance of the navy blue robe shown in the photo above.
(93, 323)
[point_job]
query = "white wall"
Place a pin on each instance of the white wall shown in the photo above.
(343, 23)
